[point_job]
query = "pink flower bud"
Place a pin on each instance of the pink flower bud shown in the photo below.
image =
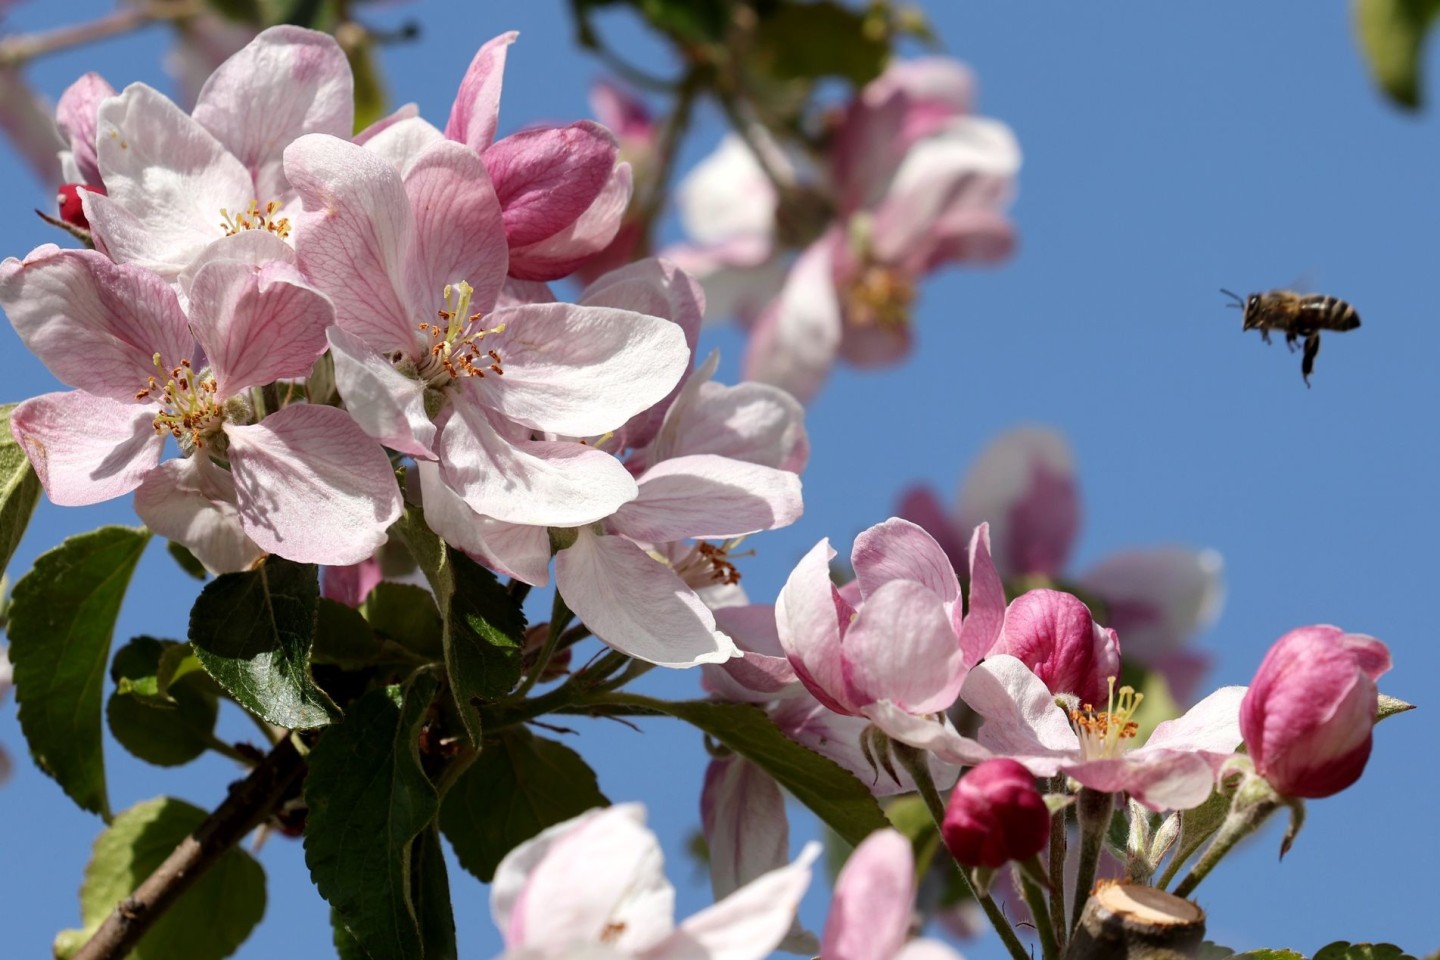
(1308, 714)
(67, 199)
(1054, 635)
(996, 815)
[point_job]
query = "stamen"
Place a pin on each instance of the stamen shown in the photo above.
(189, 410)
(1110, 733)
(880, 296)
(454, 352)
(253, 218)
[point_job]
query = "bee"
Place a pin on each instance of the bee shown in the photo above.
(1298, 316)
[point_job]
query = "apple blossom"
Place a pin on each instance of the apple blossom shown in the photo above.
(1054, 635)
(303, 481)
(1023, 485)
(593, 886)
(995, 814)
(1308, 714)
(874, 903)
(1174, 770)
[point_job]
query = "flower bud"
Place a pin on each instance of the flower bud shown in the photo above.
(1054, 635)
(995, 815)
(70, 209)
(1308, 714)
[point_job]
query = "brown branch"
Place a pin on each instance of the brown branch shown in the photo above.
(19, 49)
(250, 801)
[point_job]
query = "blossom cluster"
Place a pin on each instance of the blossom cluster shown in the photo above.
(278, 312)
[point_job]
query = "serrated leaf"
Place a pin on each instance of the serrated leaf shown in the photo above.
(1342, 950)
(209, 921)
(1389, 706)
(252, 632)
(809, 41)
(1270, 955)
(519, 785)
(430, 889)
(1392, 36)
(166, 727)
(832, 793)
(369, 799)
(187, 560)
(19, 489)
(62, 618)
(406, 614)
(483, 628)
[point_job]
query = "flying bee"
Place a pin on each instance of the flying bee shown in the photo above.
(1298, 316)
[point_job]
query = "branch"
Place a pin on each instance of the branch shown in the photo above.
(249, 803)
(17, 50)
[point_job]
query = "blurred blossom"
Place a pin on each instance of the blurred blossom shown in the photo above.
(30, 127)
(873, 908)
(1308, 715)
(593, 887)
(1023, 484)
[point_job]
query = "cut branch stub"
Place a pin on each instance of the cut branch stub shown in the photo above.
(1124, 921)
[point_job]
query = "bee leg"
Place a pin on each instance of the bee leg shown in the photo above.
(1312, 348)
(1264, 334)
(1290, 340)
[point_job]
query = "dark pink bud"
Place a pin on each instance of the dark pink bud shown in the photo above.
(70, 208)
(1308, 715)
(995, 815)
(1054, 635)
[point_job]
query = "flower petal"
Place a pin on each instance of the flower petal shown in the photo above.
(78, 114)
(809, 614)
(192, 501)
(403, 141)
(546, 178)
(563, 252)
(636, 604)
(922, 507)
(937, 737)
(727, 195)
(986, 615)
(794, 343)
(706, 496)
(1157, 599)
(311, 486)
(476, 111)
(1161, 780)
(763, 673)
(458, 234)
(902, 648)
(754, 422)
(1023, 484)
(1211, 726)
(387, 404)
(900, 550)
(86, 449)
(511, 549)
(873, 902)
(1021, 717)
(285, 83)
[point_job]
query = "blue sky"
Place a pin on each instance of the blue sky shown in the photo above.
(1169, 150)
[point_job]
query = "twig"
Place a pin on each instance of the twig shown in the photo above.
(17, 50)
(250, 802)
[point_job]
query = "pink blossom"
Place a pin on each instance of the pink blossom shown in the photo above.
(487, 388)
(995, 814)
(1054, 635)
(1174, 770)
(593, 887)
(561, 190)
(1308, 714)
(176, 182)
(303, 482)
(637, 132)
(874, 903)
(1023, 484)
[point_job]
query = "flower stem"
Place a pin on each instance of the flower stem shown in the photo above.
(560, 617)
(1035, 900)
(1093, 813)
(1059, 834)
(1242, 821)
(916, 762)
(18, 50)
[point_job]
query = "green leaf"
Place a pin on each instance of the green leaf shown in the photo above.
(342, 637)
(207, 922)
(166, 728)
(406, 614)
(519, 785)
(483, 628)
(369, 84)
(1389, 706)
(187, 560)
(833, 793)
(62, 618)
(346, 946)
(252, 631)
(430, 890)
(19, 489)
(808, 41)
(1341, 950)
(1270, 955)
(369, 798)
(1199, 824)
(1392, 38)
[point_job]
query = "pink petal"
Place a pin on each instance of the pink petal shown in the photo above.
(623, 112)
(257, 325)
(95, 324)
(387, 404)
(810, 616)
(476, 111)
(1157, 599)
(754, 422)
(727, 195)
(352, 583)
(1053, 633)
(192, 501)
(763, 673)
(563, 252)
(547, 178)
(748, 924)
(168, 180)
(535, 482)
(510, 549)
(795, 340)
(1021, 717)
(312, 487)
(934, 735)
(873, 902)
(78, 114)
(1023, 484)
(580, 371)
(899, 550)
(902, 648)
(354, 237)
(742, 812)
(1162, 780)
(1211, 726)
(836, 736)
(636, 604)
(408, 111)
(922, 507)
(285, 83)
(986, 614)
(86, 449)
(401, 142)
(706, 496)
(458, 234)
